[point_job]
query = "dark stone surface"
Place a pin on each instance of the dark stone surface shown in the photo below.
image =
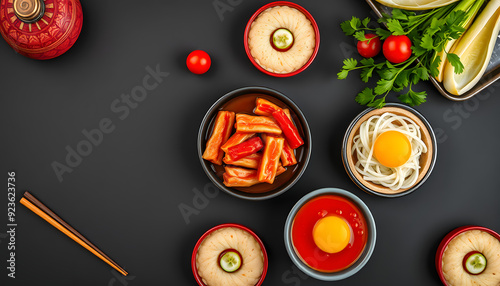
(125, 195)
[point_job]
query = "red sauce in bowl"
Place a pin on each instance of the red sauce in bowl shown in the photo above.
(302, 233)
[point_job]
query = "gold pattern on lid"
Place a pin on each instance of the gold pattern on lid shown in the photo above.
(29, 11)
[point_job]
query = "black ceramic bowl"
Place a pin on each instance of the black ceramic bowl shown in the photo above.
(283, 182)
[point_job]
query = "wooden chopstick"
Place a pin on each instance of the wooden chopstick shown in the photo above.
(44, 212)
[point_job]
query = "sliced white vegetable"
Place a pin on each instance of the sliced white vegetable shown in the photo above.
(416, 4)
(474, 49)
(450, 44)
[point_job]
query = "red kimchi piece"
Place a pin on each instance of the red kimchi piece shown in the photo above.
(241, 177)
(289, 130)
(251, 161)
(288, 155)
(256, 124)
(270, 158)
(246, 148)
(236, 139)
(222, 130)
(264, 107)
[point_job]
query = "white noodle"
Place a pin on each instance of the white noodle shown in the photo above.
(401, 177)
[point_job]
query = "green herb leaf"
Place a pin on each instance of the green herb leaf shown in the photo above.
(384, 18)
(427, 42)
(378, 103)
(395, 27)
(413, 98)
(360, 36)
(365, 97)
(455, 18)
(434, 66)
(367, 61)
(403, 78)
(387, 74)
(367, 73)
(347, 28)
(382, 33)
(417, 48)
(399, 15)
(350, 64)
(355, 23)
(366, 21)
(342, 74)
(455, 62)
(412, 20)
(455, 34)
(383, 86)
(435, 25)
(421, 73)
(397, 88)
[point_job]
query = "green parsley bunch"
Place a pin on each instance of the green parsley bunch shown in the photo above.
(429, 33)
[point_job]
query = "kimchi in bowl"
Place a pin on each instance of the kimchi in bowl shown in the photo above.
(239, 117)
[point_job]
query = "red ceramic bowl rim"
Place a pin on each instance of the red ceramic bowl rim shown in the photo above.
(309, 17)
(195, 250)
(451, 235)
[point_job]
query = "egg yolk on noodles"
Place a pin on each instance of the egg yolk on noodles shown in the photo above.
(392, 149)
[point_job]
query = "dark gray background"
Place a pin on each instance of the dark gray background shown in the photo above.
(125, 195)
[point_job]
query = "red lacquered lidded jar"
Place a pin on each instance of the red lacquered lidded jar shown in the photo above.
(41, 29)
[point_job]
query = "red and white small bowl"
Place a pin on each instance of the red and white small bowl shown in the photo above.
(197, 277)
(451, 235)
(292, 5)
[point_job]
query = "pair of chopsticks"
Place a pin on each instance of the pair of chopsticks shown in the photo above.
(44, 212)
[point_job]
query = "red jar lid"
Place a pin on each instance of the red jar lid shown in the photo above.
(41, 29)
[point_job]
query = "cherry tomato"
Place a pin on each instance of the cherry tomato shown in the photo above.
(371, 47)
(198, 62)
(397, 49)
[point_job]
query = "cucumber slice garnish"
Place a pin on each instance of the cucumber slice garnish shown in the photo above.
(230, 260)
(474, 263)
(282, 39)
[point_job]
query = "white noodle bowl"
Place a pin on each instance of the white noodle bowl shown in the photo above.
(401, 177)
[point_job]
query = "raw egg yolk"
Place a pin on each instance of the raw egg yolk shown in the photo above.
(392, 149)
(331, 234)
